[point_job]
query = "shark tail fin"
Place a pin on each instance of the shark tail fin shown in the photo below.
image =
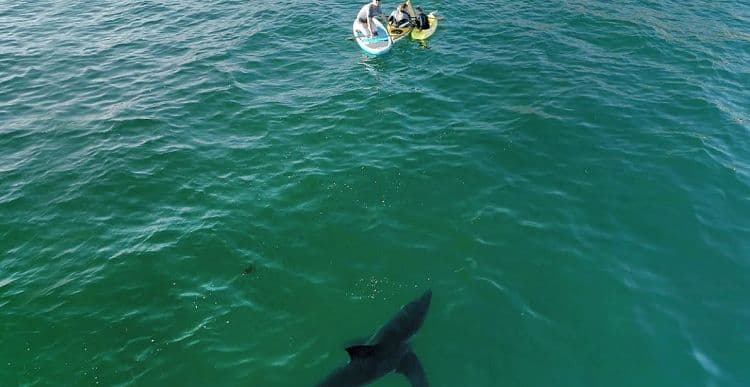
(412, 369)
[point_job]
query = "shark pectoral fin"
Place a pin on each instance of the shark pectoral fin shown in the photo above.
(412, 369)
(360, 351)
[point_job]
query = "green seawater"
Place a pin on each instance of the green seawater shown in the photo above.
(226, 193)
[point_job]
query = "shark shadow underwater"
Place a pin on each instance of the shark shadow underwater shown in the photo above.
(386, 351)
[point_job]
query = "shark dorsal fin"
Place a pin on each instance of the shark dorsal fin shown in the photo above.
(360, 351)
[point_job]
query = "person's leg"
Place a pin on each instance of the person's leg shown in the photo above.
(362, 28)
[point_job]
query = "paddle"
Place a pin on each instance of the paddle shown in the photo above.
(374, 38)
(410, 10)
(377, 38)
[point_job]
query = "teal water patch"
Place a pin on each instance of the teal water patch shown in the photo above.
(227, 194)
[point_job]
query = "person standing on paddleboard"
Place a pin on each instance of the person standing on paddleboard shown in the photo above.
(365, 16)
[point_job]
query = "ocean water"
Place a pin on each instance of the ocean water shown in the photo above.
(226, 193)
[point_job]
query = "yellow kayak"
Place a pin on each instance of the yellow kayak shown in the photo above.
(397, 33)
(424, 34)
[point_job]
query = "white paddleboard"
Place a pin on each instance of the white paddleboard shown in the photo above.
(376, 45)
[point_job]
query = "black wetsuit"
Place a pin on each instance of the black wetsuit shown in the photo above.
(422, 22)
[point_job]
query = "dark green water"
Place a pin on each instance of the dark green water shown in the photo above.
(571, 178)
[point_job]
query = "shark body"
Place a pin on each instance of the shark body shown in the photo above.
(388, 350)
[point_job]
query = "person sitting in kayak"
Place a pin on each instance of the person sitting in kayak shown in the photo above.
(421, 22)
(368, 12)
(400, 17)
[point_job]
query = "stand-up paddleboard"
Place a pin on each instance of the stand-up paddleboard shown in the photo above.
(376, 45)
(424, 34)
(398, 33)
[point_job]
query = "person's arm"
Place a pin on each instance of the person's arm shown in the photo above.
(381, 15)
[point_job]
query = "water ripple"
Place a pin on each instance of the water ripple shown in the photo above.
(568, 179)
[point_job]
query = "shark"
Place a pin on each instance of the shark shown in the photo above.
(388, 350)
